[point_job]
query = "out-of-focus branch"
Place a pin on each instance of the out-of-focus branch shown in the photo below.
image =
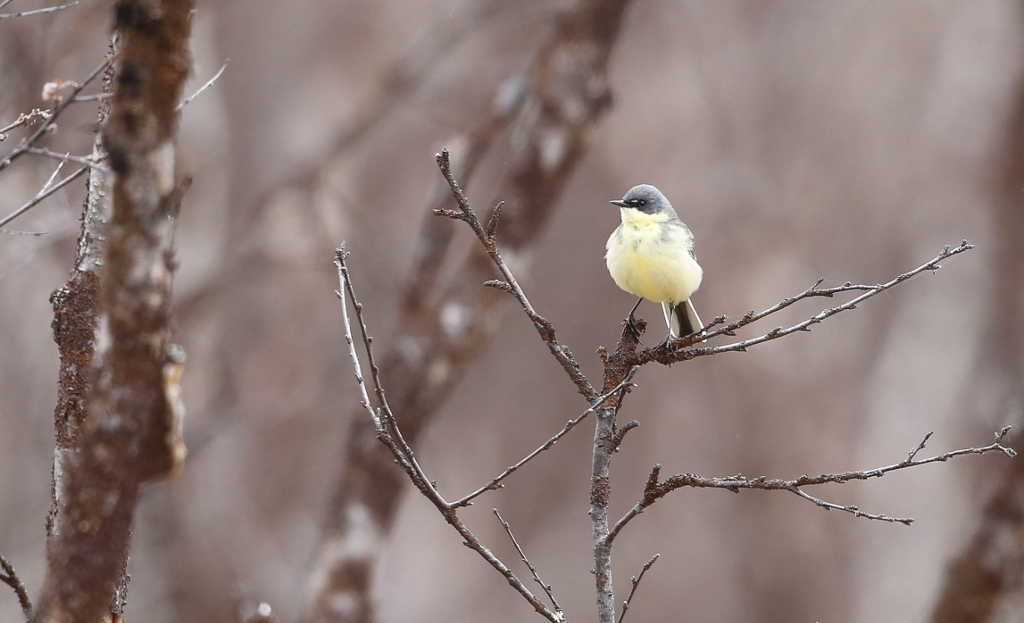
(25, 119)
(655, 489)
(10, 578)
(565, 94)
(49, 9)
(44, 192)
(987, 575)
(89, 162)
(75, 311)
(23, 148)
(131, 430)
(48, 118)
(206, 85)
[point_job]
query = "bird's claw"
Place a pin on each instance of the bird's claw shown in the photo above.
(630, 323)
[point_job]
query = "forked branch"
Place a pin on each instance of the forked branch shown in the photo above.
(656, 489)
(389, 433)
(10, 578)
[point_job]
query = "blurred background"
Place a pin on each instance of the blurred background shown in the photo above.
(798, 139)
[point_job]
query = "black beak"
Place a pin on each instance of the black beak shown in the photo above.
(619, 202)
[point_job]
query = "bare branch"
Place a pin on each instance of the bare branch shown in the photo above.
(45, 125)
(25, 119)
(43, 194)
(75, 318)
(49, 9)
(185, 102)
(89, 162)
(571, 424)
(388, 433)
(339, 262)
(635, 582)
(526, 561)
(10, 578)
(388, 430)
(565, 92)
(670, 354)
(132, 432)
(655, 490)
(14, 232)
(543, 325)
(855, 511)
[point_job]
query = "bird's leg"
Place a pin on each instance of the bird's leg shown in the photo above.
(667, 344)
(631, 322)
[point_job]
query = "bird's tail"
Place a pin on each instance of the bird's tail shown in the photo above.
(682, 318)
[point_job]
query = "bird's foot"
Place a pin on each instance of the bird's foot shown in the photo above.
(630, 323)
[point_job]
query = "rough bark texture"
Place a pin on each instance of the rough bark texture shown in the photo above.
(131, 430)
(566, 94)
(75, 318)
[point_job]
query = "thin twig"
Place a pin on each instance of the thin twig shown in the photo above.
(635, 581)
(95, 97)
(185, 102)
(44, 126)
(339, 262)
(526, 561)
(670, 353)
(43, 195)
(388, 431)
(385, 415)
(571, 424)
(14, 232)
(543, 325)
(852, 509)
(10, 578)
(49, 9)
(89, 162)
(25, 119)
(655, 490)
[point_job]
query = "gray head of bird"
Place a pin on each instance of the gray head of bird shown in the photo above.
(645, 198)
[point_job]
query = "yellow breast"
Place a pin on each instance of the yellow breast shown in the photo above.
(650, 257)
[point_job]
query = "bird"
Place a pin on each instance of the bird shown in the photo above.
(650, 255)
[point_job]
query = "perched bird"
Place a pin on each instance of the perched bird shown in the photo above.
(650, 255)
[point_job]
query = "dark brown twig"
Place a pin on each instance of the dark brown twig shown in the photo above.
(10, 578)
(635, 582)
(529, 565)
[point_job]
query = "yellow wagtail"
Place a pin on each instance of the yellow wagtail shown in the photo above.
(650, 255)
